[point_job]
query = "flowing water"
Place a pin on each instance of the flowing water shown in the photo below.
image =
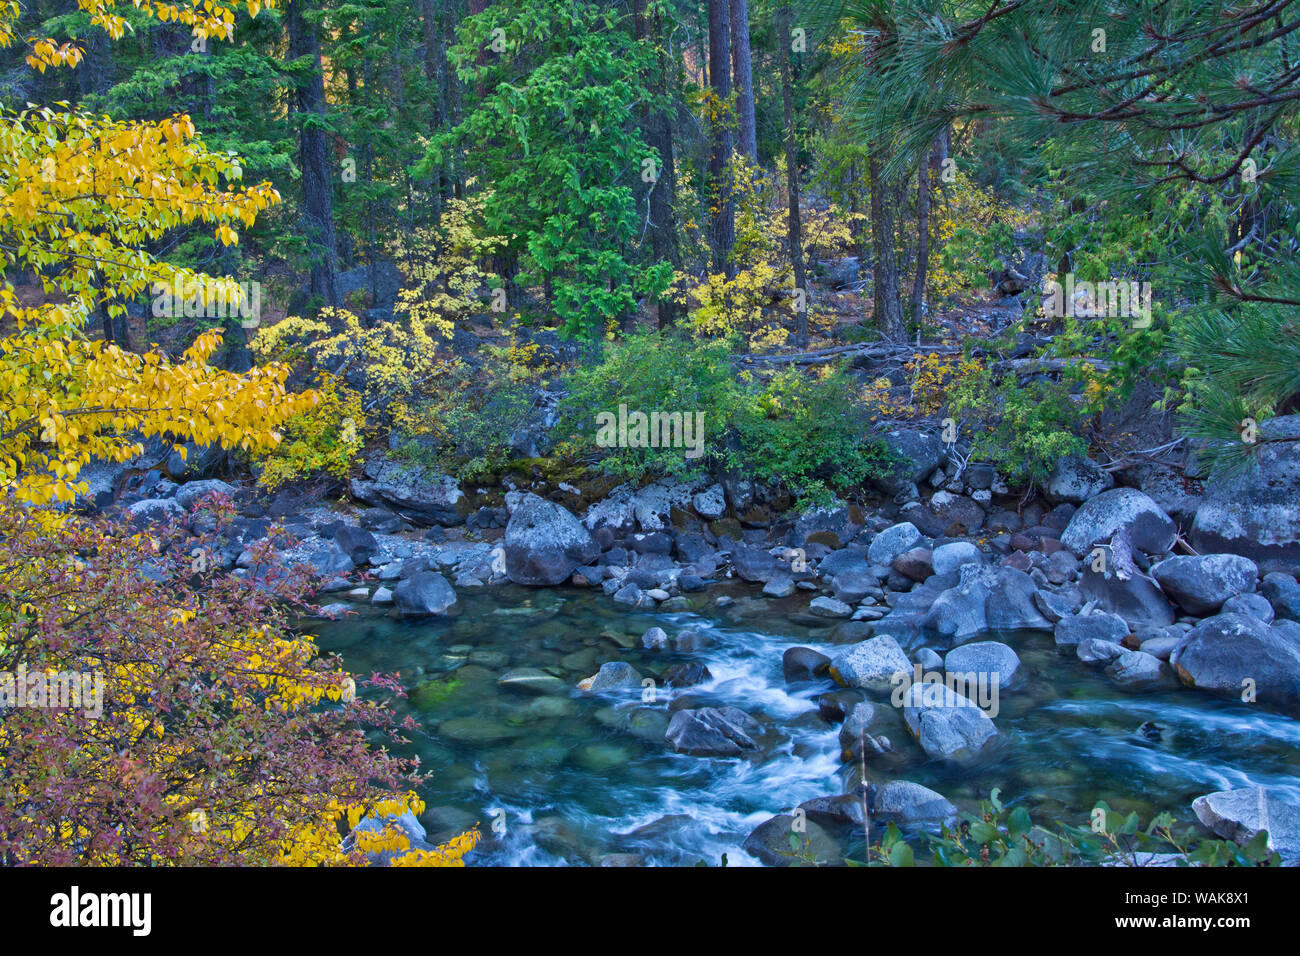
(569, 778)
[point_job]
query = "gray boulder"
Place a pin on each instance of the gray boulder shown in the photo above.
(1257, 514)
(189, 493)
(1120, 509)
(1201, 583)
(947, 725)
(986, 599)
(892, 542)
(904, 802)
(1136, 669)
(950, 557)
(1233, 654)
(1097, 626)
(425, 495)
(1283, 592)
(873, 663)
(712, 732)
(544, 543)
(1239, 815)
(771, 845)
(614, 675)
(1251, 605)
(1094, 651)
(1076, 479)
(424, 593)
(987, 660)
(917, 454)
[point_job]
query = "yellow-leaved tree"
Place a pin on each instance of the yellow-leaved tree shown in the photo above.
(81, 198)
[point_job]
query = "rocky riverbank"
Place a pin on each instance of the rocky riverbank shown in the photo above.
(1156, 586)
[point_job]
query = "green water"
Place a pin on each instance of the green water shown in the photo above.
(571, 777)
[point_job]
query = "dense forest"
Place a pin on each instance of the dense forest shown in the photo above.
(902, 334)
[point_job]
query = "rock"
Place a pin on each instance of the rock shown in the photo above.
(985, 599)
(649, 508)
(544, 543)
(1251, 605)
(829, 607)
(779, 587)
(857, 721)
(1094, 651)
(892, 542)
(1200, 584)
(803, 663)
(1239, 815)
(844, 811)
(687, 674)
(1122, 589)
(918, 455)
(188, 494)
(771, 845)
(1232, 653)
(382, 596)
(1054, 606)
(947, 725)
(425, 592)
(755, 564)
(1257, 514)
(356, 543)
(532, 681)
(952, 514)
(655, 639)
(156, 510)
(904, 802)
(711, 503)
(990, 660)
(425, 495)
(630, 595)
(1099, 626)
(873, 663)
(199, 461)
(950, 557)
(1283, 592)
(330, 564)
(832, 527)
(915, 564)
(1120, 509)
(845, 559)
(1136, 669)
(712, 732)
(613, 675)
(851, 586)
(1076, 479)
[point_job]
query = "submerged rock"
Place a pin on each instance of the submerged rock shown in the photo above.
(712, 732)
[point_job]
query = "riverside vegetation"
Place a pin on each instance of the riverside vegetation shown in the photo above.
(833, 238)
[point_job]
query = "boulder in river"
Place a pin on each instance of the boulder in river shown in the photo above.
(1242, 657)
(424, 593)
(947, 725)
(872, 663)
(544, 543)
(712, 732)
(905, 802)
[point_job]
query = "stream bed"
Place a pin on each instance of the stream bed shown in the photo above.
(571, 777)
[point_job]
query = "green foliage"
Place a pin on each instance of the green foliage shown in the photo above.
(998, 835)
(324, 440)
(553, 128)
(1022, 429)
(805, 433)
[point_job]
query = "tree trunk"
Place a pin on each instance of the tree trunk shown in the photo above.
(659, 136)
(792, 181)
(314, 161)
(923, 229)
(888, 306)
(743, 77)
(724, 221)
